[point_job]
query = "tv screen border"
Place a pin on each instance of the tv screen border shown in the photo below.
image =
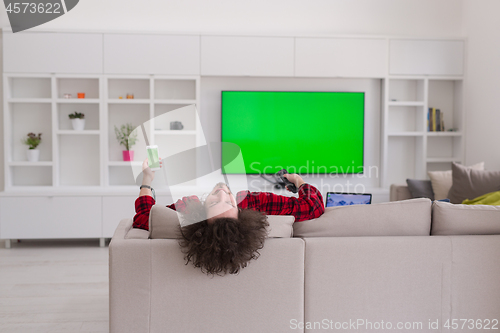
(299, 91)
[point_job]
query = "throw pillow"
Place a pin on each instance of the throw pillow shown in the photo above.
(470, 183)
(442, 181)
(420, 188)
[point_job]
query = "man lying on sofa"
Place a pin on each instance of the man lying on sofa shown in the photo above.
(223, 232)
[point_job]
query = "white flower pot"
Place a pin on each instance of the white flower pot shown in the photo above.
(33, 155)
(78, 124)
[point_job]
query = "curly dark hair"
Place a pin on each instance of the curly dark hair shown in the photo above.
(225, 245)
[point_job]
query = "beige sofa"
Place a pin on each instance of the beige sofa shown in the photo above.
(357, 268)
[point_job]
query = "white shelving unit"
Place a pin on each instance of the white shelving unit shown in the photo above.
(408, 149)
(154, 97)
(91, 158)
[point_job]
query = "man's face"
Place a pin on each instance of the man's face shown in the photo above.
(220, 202)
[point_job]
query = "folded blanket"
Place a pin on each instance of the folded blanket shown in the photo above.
(492, 198)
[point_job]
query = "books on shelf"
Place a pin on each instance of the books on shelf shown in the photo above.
(435, 120)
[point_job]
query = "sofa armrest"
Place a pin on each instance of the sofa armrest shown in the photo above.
(399, 192)
(123, 228)
(129, 280)
(125, 231)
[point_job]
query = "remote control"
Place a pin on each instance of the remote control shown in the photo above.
(289, 185)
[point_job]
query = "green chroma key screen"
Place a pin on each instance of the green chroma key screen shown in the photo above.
(303, 132)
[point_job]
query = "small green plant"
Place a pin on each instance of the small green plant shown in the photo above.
(33, 140)
(126, 135)
(76, 115)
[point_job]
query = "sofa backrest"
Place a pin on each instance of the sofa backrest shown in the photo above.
(401, 218)
(164, 224)
(452, 219)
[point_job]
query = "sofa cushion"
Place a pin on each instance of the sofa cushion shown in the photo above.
(398, 218)
(470, 183)
(420, 188)
(450, 219)
(164, 223)
(442, 181)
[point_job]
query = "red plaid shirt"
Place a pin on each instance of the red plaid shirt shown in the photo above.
(308, 205)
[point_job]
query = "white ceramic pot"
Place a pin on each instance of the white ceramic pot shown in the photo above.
(33, 155)
(78, 124)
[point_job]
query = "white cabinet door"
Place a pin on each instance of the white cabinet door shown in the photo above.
(77, 217)
(115, 209)
(246, 56)
(151, 54)
(41, 52)
(426, 57)
(50, 217)
(26, 217)
(341, 57)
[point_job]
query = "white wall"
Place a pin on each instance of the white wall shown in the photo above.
(319, 17)
(482, 91)
(429, 18)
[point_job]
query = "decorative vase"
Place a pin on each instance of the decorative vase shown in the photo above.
(78, 124)
(33, 155)
(128, 155)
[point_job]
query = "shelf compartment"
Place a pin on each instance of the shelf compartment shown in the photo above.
(27, 163)
(175, 132)
(405, 103)
(446, 133)
(443, 159)
(406, 119)
(36, 175)
(175, 89)
(26, 118)
(406, 90)
(74, 132)
(439, 166)
(29, 100)
(79, 160)
(121, 87)
(91, 112)
(120, 114)
(166, 113)
(122, 176)
(403, 161)
(396, 134)
(445, 148)
(446, 95)
(169, 145)
(78, 100)
(175, 101)
(128, 101)
(30, 87)
(124, 163)
(89, 86)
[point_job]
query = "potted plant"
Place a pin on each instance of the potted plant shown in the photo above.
(77, 120)
(32, 141)
(127, 137)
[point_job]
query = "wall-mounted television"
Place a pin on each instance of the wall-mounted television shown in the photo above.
(304, 132)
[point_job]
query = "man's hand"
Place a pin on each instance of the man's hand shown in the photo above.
(147, 174)
(294, 178)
